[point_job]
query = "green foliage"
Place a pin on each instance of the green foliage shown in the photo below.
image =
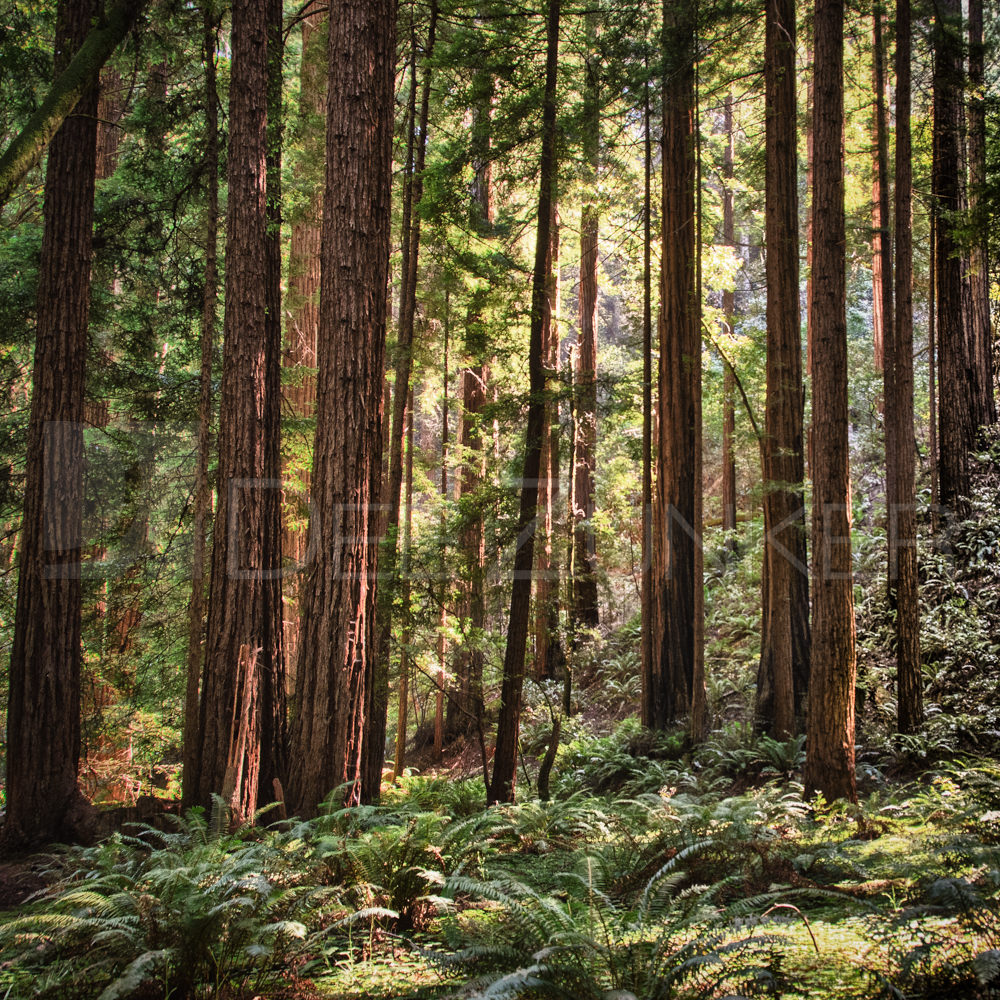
(584, 942)
(949, 945)
(189, 910)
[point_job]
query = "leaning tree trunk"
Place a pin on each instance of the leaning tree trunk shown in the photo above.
(829, 764)
(44, 802)
(243, 680)
(899, 443)
(501, 787)
(73, 82)
(338, 595)
(783, 674)
(203, 488)
(676, 654)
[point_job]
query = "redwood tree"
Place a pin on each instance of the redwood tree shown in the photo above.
(956, 375)
(44, 802)
(728, 311)
(203, 488)
(829, 764)
(338, 594)
(980, 324)
(302, 312)
(899, 443)
(677, 655)
(584, 579)
(377, 689)
(241, 749)
(783, 674)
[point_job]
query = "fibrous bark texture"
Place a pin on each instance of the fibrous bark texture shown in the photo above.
(44, 802)
(829, 764)
(338, 594)
(677, 664)
(241, 740)
(783, 673)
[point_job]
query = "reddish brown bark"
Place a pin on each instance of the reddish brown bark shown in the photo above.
(980, 325)
(729, 312)
(955, 416)
(829, 764)
(899, 440)
(302, 326)
(338, 595)
(377, 688)
(245, 595)
(44, 802)
(677, 655)
(502, 783)
(203, 490)
(646, 596)
(585, 610)
(881, 242)
(783, 673)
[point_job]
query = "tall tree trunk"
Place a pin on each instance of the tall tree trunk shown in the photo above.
(881, 242)
(646, 596)
(585, 609)
(956, 374)
(899, 444)
(338, 595)
(273, 689)
(243, 680)
(302, 327)
(377, 689)
(677, 525)
(830, 746)
(932, 354)
(442, 636)
(783, 674)
(729, 313)
(465, 707)
(980, 327)
(501, 787)
(44, 802)
(404, 653)
(548, 649)
(203, 488)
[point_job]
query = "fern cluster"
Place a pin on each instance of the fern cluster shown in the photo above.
(187, 909)
(585, 940)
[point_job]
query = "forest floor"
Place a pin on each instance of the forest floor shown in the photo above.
(655, 870)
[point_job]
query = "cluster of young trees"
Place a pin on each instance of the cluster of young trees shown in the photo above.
(386, 189)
